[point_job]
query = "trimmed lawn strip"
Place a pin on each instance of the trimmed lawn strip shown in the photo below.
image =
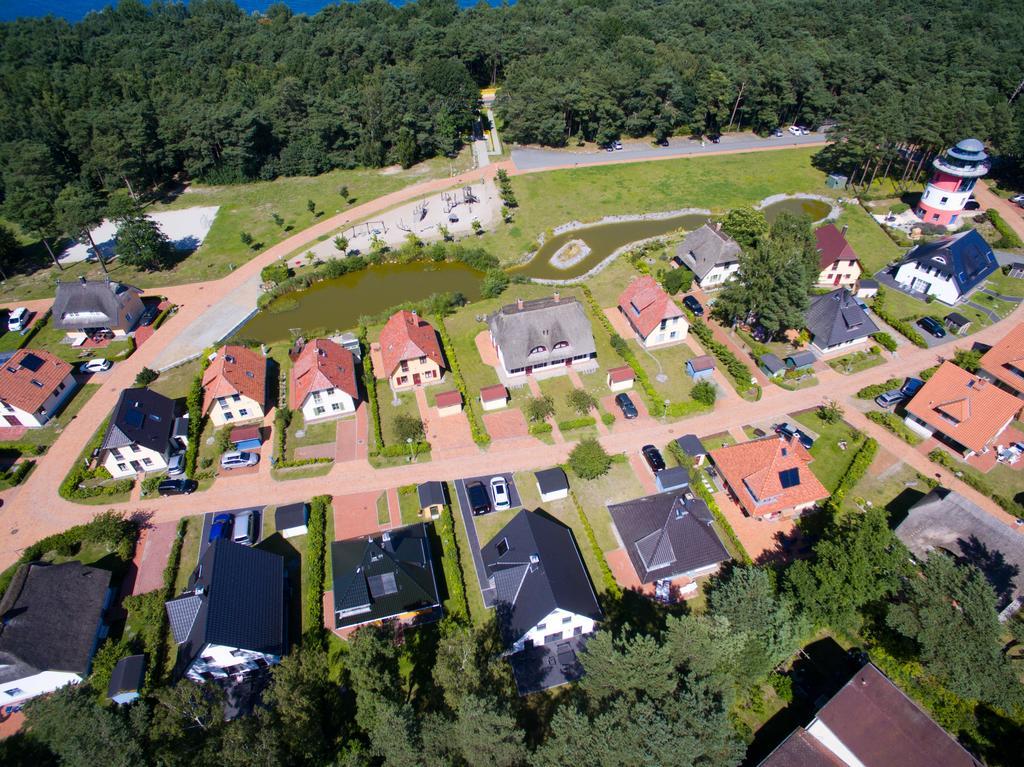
(189, 552)
(176, 382)
(383, 514)
(300, 472)
(855, 362)
(830, 461)
(388, 411)
(715, 441)
(409, 505)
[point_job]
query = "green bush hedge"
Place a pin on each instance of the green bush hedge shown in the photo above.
(16, 475)
(607, 419)
(162, 316)
(540, 427)
(884, 340)
(901, 326)
(858, 466)
(370, 384)
(315, 562)
(451, 561)
(872, 391)
(301, 462)
(194, 403)
(733, 365)
(894, 424)
(576, 423)
(480, 435)
(396, 451)
(1008, 237)
(698, 489)
(610, 584)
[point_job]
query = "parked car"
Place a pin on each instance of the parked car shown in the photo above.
(693, 305)
(715, 138)
(790, 432)
(221, 527)
(176, 465)
(499, 491)
(889, 399)
(243, 531)
(18, 319)
(653, 457)
(777, 132)
(479, 501)
(235, 459)
(911, 387)
(795, 130)
(661, 142)
(933, 326)
(609, 147)
(1018, 199)
(617, 145)
(97, 365)
(626, 405)
(182, 486)
(803, 130)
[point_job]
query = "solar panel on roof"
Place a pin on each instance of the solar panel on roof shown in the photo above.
(182, 614)
(32, 362)
(134, 418)
(789, 478)
(382, 585)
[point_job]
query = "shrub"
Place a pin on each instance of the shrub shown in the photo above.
(894, 424)
(576, 423)
(903, 327)
(830, 411)
(734, 366)
(858, 466)
(275, 273)
(282, 420)
(1007, 237)
(145, 377)
(580, 401)
(222, 441)
(494, 284)
(451, 561)
(968, 359)
(541, 427)
(676, 280)
(884, 340)
(315, 561)
(194, 403)
(927, 373)
(589, 460)
(610, 584)
(607, 419)
(162, 316)
(704, 392)
(872, 391)
(975, 480)
(408, 428)
(539, 408)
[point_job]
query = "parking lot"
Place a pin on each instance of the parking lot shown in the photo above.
(204, 540)
(467, 521)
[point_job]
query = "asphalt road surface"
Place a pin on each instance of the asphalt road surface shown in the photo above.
(467, 520)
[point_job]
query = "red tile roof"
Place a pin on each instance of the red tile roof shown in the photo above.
(322, 364)
(1006, 357)
(645, 305)
(754, 470)
(967, 409)
(832, 246)
(493, 393)
(236, 370)
(622, 374)
(27, 389)
(448, 398)
(407, 336)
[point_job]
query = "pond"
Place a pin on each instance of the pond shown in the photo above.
(816, 210)
(603, 240)
(339, 303)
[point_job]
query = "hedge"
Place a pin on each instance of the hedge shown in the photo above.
(884, 340)
(315, 562)
(540, 427)
(872, 391)
(194, 403)
(162, 316)
(901, 326)
(16, 475)
(973, 479)
(370, 384)
(698, 489)
(396, 451)
(610, 584)
(734, 366)
(282, 419)
(451, 563)
(78, 473)
(1009, 238)
(576, 423)
(480, 435)
(607, 419)
(301, 462)
(895, 425)
(858, 466)
(174, 559)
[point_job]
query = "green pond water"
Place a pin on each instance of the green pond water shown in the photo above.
(814, 209)
(337, 304)
(603, 239)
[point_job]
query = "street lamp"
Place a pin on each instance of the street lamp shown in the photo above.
(408, 441)
(664, 415)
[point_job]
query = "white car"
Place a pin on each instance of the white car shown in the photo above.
(176, 466)
(499, 491)
(97, 365)
(237, 459)
(17, 320)
(794, 129)
(1018, 199)
(617, 145)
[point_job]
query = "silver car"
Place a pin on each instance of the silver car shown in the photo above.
(237, 459)
(499, 491)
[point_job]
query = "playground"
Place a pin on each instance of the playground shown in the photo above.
(453, 211)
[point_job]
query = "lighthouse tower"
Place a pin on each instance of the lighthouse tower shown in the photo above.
(951, 184)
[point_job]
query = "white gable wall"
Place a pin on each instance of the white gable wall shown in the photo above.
(20, 690)
(558, 621)
(49, 407)
(118, 461)
(235, 408)
(675, 330)
(912, 276)
(327, 403)
(719, 275)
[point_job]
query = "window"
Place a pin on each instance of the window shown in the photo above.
(228, 416)
(664, 324)
(336, 406)
(236, 397)
(147, 461)
(567, 619)
(402, 380)
(423, 360)
(13, 691)
(538, 349)
(116, 453)
(562, 345)
(502, 547)
(318, 411)
(944, 199)
(243, 411)
(953, 220)
(122, 467)
(935, 216)
(541, 626)
(62, 386)
(223, 403)
(672, 334)
(330, 391)
(404, 366)
(316, 396)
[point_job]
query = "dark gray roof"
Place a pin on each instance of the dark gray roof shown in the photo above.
(691, 445)
(235, 598)
(291, 515)
(91, 304)
(800, 359)
(836, 318)
(551, 480)
(947, 521)
(668, 534)
(705, 248)
(127, 676)
(673, 477)
(541, 323)
(772, 363)
(867, 282)
(957, 319)
(431, 494)
(49, 618)
(380, 577)
(539, 571)
(965, 257)
(142, 417)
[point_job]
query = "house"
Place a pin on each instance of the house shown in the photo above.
(800, 360)
(1004, 362)
(963, 411)
(711, 254)
(691, 445)
(292, 519)
(385, 577)
(949, 268)
(126, 680)
(323, 381)
(84, 307)
(144, 431)
(494, 397)
(433, 497)
(946, 521)
(33, 386)
(549, 334)
(837, 261)
(770, 476)
(552, 484)
(669, 535)
(620, 378)
(956, 323)
(231, 620)
(235, 386)
(771, 365)
(870, 722)
(449, 403)
(546, 604)
(836, 321)
(672, 478)
(653, 315)
(51, 622)
(701, 368)
(410, 353)
(867, 288)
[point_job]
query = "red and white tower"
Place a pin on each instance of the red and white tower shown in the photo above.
(952, 183)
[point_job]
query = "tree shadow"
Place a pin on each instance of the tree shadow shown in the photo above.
(998, 572)
(900, 506)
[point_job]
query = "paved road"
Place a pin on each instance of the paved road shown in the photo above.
(466, 514)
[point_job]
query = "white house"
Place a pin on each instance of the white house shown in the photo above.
(33, 386)
(231, 620)
(652, 314)
(235, 386)
(84, 307)
(949, 268)
(52, 623)
(711, 254)
(323, 381)
(145, 430)
(547, 334)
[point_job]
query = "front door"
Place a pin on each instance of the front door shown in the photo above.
(415, 379)
(11, 420)
(136, 465)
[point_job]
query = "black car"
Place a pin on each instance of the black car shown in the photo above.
(789, 432)
(479, 500)
(933, 326)
(177, 487)
(715, 138)
(653, 458)
(693, 305)
(626, 406)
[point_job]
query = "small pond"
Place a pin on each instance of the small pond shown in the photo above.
(339, 303)
(816, 210)
(603, 240)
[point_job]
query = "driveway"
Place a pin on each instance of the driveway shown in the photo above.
(467, 520)
(204, 540)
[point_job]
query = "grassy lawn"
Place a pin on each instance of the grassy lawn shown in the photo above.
(48, 434)
(618, 485)
(189, 552)
(243, 208)
(389, 411)
(670, 361)
(855, 362)
(873, 246)
(383, 514)
(176, 382)
(910, 309)
(293, 550)
(889, 483)
(716, 441)
(1005, 285)
(318, 433)
(587, 194)
(609, 283)
(830, 460)
(409, 504)
(53, 340)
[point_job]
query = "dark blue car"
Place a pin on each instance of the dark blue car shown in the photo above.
(221, 527)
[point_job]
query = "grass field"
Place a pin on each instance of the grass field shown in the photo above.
(872, 245)
(830, 460)
(855, 362)
(389, 411)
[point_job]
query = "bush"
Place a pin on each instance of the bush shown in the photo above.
(282, 420)
(1008, 237)
(830, 411)
(580, 401)
(194, 403)
(315, 562)
(927, 373)
(676, 280)
(884, 340)
(858, 466)
(494, 284)
(275, 273)
(607, 419)
(872, 391)
(302, 462)
(222, 440)
(576, 423)
(539, 408)
(541, 427)
(145, 377)
(589, 460)
(734, 366)
(975, 480)
(894, 424)
(968, 359)
(704, 392)
(903, 327)
(451, 561)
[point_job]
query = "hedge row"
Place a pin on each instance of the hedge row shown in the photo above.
(975, 480)
(370, 384)
(162, 317)
(901, 326)
(884, 340)
(854, 473)
(872, 391)
(174, 558)
(301, 462)
(194, 403)
(540, 427)
(1009, 238)
(576, 423)
(17, 474)
(610, 584)
(480, 435)
(894, 424)
(282, 420)
(315, 561)
(734, 366)
(395, 451)
(451, 563)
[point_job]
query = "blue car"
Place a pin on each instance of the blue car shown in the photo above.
(221, 527)
(911, 387)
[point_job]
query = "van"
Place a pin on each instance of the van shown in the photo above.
(244, 528)
(17, 319)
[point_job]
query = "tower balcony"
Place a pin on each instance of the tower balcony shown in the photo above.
(959, 168)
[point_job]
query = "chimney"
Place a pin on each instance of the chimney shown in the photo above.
(519, 303)
(845, 228)
(557, 296)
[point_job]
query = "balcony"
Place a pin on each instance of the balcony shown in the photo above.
(967, 170)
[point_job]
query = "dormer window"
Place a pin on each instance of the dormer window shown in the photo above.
(538, 349)
(562, 345)
(939, 259)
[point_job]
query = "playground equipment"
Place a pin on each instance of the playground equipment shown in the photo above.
(452, 201)
(418, 214)
(366, 228)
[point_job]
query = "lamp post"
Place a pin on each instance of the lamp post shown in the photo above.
(664, 416)
(408, 441)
